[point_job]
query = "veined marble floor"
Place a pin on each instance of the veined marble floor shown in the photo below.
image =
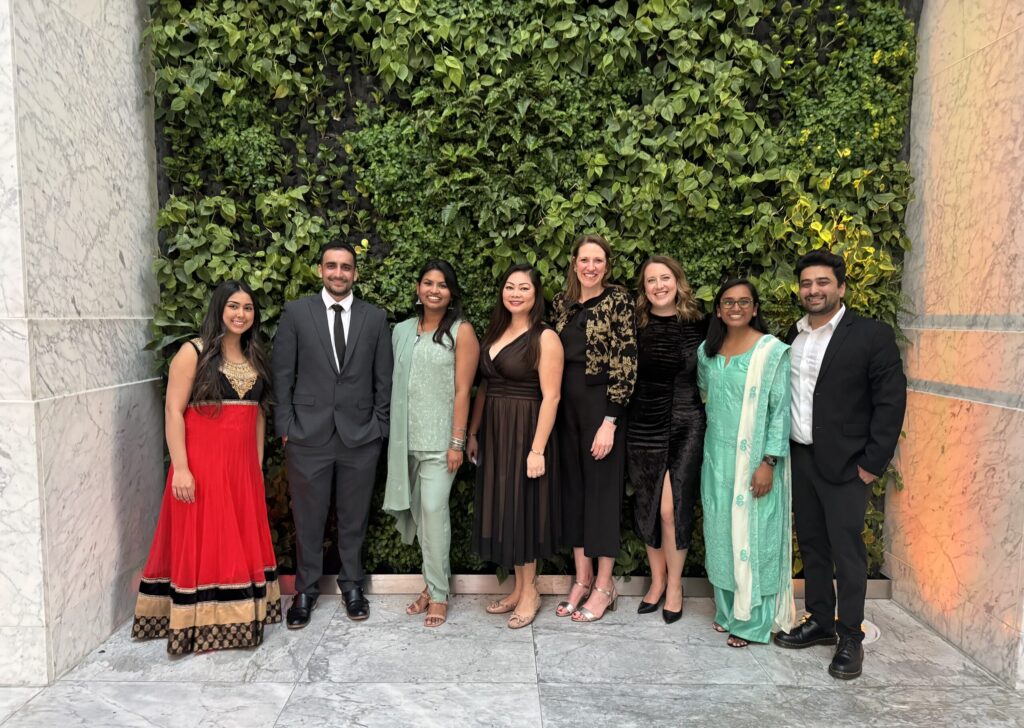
(626, 670)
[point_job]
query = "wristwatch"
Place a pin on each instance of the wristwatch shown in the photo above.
(610, 418)
(770, 460)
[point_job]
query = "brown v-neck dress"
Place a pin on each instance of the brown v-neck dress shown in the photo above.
(516, 519)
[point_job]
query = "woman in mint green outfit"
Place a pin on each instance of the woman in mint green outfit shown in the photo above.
(436, 355)
(743, 373)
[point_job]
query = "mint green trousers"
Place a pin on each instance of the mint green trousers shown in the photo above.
(431, 485)
(756, 629)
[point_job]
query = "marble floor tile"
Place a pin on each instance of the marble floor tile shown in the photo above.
(281, 658)
(909, 653)
(11, 699)
(435, 704)
(147, 705)
(392, 647)
(856, 705)
(624, 647)
(655, 706)
(693, 628)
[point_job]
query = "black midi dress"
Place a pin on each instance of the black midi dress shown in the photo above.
(666, 426)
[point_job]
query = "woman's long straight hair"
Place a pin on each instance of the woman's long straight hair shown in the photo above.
(501, 317)
(206, 385)
(454, 311)
(716, 329)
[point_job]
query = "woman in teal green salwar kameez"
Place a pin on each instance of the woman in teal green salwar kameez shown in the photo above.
(743, 374)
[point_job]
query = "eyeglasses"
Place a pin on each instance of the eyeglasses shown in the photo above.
(734, 302)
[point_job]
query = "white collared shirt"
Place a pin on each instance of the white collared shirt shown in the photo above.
(806, 353)
(346, 314)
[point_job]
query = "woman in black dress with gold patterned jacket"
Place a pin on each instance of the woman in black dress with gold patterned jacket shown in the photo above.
(594, 320)
(665, 435)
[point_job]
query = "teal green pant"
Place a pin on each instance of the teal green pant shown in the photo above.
(431, 485)
(756, 629)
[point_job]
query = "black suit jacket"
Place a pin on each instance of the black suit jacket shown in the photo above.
(313, 398)
(859, 399)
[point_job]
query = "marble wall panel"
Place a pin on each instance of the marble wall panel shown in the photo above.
(73, 355)
(951, 30)
(15, 379)
(967, 221)
(21, 519)
(119, 22)
(23, 656)
(959, 522)
(87, 173)
(12, 294)
(985, 364)
(102, 475)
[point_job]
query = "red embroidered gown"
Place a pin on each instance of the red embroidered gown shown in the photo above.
(211, 579)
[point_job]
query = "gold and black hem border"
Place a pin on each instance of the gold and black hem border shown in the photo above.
(209, 617)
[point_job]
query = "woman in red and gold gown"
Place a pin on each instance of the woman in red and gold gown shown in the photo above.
(210, 581)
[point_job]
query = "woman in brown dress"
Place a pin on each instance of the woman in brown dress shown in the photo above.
(517, 511)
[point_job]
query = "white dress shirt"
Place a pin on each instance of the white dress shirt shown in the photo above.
(807, 351)
(346, 314)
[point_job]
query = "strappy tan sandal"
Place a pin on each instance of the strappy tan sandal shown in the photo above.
(500, 607)
(518, 621)
(587, 616)
(565, 608)
(437, 614)
(420, 605)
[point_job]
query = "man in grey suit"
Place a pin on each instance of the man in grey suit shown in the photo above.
(332, 366)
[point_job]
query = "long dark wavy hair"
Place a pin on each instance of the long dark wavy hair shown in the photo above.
(206, 385)
(716, 329)
(501, 317)
(454, 311)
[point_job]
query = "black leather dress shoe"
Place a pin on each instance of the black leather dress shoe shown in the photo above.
(806, 634)
(300, 610)
(356, 605)
(647, 607)
(669, 616)
(848, 661)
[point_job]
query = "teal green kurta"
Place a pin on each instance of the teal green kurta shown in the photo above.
(723, 386)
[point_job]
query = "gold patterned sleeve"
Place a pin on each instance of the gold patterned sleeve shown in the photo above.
(622, 353)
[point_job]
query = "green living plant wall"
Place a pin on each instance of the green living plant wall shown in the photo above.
(732, 134)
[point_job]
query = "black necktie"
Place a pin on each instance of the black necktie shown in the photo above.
(339, 335)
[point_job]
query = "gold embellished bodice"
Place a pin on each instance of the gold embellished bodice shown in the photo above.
(239, 381)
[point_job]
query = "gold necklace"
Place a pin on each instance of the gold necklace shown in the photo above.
(242, 377)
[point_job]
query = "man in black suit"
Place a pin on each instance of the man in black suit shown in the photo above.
(332, 366)
(849, 395)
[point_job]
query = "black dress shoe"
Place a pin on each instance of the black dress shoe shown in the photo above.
(356, 605)
(300, 610)
(669, 616)
(648, 607)
(848, 661)
(806, 634)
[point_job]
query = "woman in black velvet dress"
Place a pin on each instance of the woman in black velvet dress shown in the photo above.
(665, 435)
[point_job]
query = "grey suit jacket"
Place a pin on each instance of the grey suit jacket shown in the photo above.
(314, 399)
